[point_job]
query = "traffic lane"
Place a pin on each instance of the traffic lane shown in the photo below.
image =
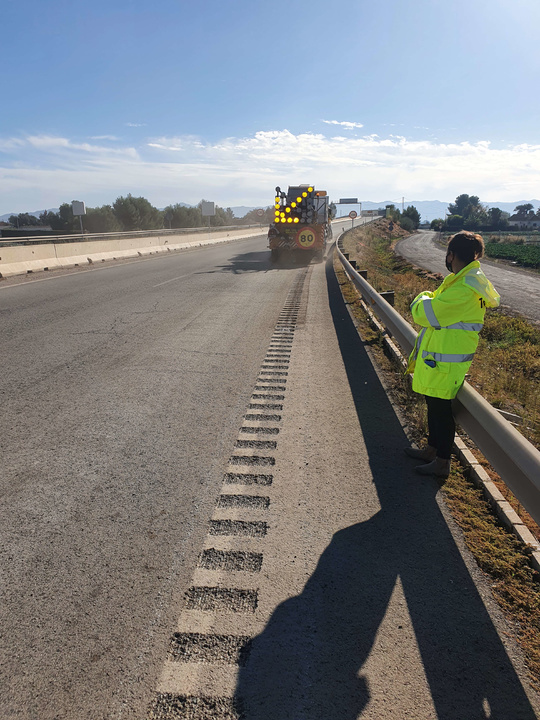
(40, 305)
(32, 311)
(519, 288)
(122, 395)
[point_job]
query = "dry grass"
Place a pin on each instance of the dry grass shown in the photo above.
(514, 583)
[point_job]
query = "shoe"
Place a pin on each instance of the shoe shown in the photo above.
(437, 467)
(428, 453)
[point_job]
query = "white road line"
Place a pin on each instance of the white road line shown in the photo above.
(172, 280)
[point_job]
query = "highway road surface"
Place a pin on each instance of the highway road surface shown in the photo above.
(206, 507)
(519, 288)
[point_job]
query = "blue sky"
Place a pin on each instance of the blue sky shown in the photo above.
(179, 101)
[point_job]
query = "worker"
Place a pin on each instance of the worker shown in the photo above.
(451, 319)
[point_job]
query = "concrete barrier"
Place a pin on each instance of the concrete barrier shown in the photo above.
(31, 257)
(27, 258)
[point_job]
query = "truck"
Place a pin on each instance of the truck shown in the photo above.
(302, 223)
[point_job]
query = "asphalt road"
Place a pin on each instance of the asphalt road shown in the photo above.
(519, 288)
(122, 389)
(208, 401)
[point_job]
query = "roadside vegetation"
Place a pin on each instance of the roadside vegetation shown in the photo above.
(468, 213)
(521, 254)
(133, 213)
(506, 372)
(519, 248)
(519, 243)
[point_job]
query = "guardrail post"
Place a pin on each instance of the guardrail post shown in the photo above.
(346, 256)
(353, 263)
(388, 296)
(363, 273)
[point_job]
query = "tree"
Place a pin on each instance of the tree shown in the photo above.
(62, 221)
(454, 222)
(437, 224)
(136, 213)
(460, 206)
(497, 219)
(412, 213)
(47, 218)
(23, 220)
(474, 204)
(180, 216)
(474, 215)
(101, 220)
(407, 223)
(472, 222)
(523, 209)
(219, 219)
(252, 218)
(470, 208)
(222, 217)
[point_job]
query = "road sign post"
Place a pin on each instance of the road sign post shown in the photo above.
(78, 209)
(208, 209)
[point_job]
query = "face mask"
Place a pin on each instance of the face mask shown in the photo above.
(448, 265)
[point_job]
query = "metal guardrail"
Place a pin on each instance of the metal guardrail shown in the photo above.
(54, 239)
(514, 458)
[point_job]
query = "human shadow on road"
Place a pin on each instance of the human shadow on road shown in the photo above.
(307, 663)
(261, 262)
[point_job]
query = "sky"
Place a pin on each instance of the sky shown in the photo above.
(177, 101)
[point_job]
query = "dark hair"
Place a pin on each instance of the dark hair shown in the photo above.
(468, 246)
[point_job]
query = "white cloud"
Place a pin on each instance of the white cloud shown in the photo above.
(104, 137)
(44, 171)
(131, 124)
(55, 145)
(345, 124)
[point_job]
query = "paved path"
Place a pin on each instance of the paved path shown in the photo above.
(519, 288)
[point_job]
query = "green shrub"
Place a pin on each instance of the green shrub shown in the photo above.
(526, 255)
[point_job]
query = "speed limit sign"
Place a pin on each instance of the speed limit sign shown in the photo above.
(353, 214)
(305, 238)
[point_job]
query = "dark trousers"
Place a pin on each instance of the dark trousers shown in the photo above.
(441, 426)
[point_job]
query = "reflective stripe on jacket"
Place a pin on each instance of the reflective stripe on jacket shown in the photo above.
(451, 318)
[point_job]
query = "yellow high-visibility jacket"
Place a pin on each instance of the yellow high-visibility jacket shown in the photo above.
(451, 319)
